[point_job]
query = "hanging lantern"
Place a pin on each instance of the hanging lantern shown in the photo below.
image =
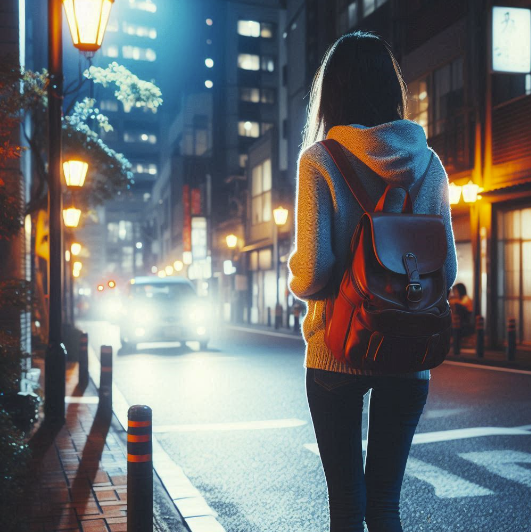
(71, 216)
(75, 248)
(470, 192)
(87, 20)
(454, 193)
(281, 215)
(75, 172)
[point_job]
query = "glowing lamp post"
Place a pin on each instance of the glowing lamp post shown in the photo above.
(470, 192)
(75, 172)
(87, 20)
(280, 215)
(232, 241)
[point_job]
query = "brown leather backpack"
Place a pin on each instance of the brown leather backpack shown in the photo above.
(390, 314)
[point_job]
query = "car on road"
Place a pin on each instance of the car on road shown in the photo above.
(163, 310)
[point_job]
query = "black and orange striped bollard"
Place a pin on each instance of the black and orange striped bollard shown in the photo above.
(480, 336)
(511, 339)
(456, 334)
(83, 360)
(139, 469)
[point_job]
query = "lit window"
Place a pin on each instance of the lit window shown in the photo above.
(139, 54)
(249, 28)
(267, 63)
(145, 168)
(352, 14)
(249, 94)
(261, 181)
(370, 5)
(139, 31)
(418, 103)
(249, 62)
(140, 137)
(143, 5)
(110, 51)
(248, 129)
(109, 105)
(243, 160)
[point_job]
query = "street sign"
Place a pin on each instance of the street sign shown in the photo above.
(511, 40)
(199, 238)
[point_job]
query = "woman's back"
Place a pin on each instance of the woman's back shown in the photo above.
(391, 153)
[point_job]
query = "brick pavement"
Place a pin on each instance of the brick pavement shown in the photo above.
(78, 474)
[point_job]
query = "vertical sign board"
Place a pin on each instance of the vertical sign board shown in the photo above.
(199, 238)
(196, 201)
(511, 40)
(187, 226)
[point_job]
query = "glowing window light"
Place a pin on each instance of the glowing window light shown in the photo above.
(87, 20)
(75, 172)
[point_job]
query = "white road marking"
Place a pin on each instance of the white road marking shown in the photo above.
(455, 434)
(244, 425)
(503, 463)
(442, 412)
(83, 400)
(445, 484)
(490, 368)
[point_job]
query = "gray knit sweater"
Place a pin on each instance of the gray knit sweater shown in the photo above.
(327, 214)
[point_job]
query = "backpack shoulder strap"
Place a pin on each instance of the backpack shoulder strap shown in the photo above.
(415, 188)
(333, 147)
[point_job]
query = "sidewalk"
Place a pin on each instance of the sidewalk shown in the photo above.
(496, 358)
(78, 473)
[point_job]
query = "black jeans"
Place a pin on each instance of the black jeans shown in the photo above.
(336, 405)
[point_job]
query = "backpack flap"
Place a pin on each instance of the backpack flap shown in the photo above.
(395, 235)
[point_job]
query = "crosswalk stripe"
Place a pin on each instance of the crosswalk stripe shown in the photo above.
(503, 463)
(445, 484)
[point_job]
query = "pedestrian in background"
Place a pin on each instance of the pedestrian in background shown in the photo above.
(359, 98)
(462, 306)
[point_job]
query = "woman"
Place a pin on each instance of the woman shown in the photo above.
(358, 98)
(462, 306)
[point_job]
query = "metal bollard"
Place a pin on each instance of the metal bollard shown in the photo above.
(278, 316)
(83, 360)
(480, 336)
(139, 469)
(269, 316)
(456, 334)
(105, 392)
(511, 339)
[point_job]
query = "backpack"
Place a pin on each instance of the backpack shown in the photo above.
(390, 313)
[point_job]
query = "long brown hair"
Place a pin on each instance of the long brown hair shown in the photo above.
(358, 82)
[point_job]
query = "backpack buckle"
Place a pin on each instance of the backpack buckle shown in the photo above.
(414, 292)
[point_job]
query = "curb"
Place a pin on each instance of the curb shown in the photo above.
(187, 500)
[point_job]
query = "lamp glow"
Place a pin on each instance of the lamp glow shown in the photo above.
(187, 257)
(71, 216)
(178, 265)
(75, 248)
(454, 193)
(100, 288)
(75, 172)
(87, 20)
(281, 215)
(168, 270)
(470, 192)
(232, 241)
(111, 284)
(78, 266)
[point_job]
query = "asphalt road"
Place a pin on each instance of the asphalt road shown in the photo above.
(235, 418)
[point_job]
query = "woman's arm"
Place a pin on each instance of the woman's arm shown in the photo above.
(311, 262)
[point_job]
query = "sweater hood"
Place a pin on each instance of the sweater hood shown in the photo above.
(397, 151)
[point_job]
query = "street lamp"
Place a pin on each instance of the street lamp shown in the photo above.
(470, 192)
(454, 193)
(71, 216)
(75, 248)
(75, 172)
(232, 241)
(87, 20)
(280, 215)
